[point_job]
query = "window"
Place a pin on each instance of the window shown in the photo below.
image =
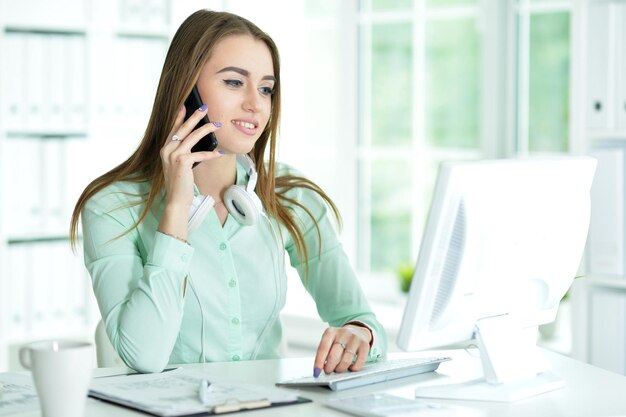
(548, 79)
(409, 63)
(422, 89)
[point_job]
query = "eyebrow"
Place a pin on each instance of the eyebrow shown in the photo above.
(245, 73)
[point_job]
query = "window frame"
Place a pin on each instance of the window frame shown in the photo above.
(503, 116)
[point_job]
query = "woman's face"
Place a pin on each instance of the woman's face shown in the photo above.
(236, 84)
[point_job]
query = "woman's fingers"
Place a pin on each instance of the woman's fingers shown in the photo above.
(178, 143)
(180, 117)
(323, 350)
(192, 158)
(361, 358)
(349, 355)
(194, 137)
(340, 350)
(183, 147)
(186, 127)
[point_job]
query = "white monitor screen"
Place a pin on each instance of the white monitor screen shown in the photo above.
(504, 238)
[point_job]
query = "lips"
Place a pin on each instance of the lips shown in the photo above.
(247, 126)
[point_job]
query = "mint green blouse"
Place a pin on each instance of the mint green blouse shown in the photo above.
(236, 280)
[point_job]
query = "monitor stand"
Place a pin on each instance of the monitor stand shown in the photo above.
(513, 367)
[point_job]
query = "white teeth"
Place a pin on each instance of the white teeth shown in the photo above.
(244, 124)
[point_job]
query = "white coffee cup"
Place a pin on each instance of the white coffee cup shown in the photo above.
(62, 374)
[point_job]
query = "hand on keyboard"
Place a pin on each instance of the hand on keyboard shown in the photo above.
(342, 348)
(370, 374)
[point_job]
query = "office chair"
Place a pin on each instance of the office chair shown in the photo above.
(106, 356)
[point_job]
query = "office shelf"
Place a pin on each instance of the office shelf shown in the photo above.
(599, 299)
(60, 92)
(608, 282)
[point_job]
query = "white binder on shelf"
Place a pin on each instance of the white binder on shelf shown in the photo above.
(621, 67)
(59, 288)
(29, 283)
(14, 82)
(25, 196)
(76, 87)
(46, 13)
(56, 100)
(36, 68)
(82, 166)
(42, 280)
(605, 244)
(19, 298)
(79, 289)
(599, 101)
(53, 190)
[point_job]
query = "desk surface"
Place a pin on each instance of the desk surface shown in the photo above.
(589, 391)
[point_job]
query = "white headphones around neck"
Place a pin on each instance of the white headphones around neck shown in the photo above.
(240, 201)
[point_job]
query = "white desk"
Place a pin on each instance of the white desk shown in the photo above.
(589, 391)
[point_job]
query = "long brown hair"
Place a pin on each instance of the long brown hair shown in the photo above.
(190, 49)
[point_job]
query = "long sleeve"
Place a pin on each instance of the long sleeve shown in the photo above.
(332, 281)
(139, 289)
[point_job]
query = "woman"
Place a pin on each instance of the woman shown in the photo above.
(168, 295)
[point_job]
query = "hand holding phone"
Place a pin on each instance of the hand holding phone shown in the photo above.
(193, 102)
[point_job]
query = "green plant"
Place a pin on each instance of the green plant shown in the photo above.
(405, 275)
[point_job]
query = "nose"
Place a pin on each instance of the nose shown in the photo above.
(252, 99)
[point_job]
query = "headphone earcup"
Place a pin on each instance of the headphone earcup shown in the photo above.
(245, 207)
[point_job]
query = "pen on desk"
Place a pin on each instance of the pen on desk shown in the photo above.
(203, 391)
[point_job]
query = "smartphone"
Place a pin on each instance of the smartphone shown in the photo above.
(193, 103)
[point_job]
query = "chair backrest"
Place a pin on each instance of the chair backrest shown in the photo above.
(106, 355)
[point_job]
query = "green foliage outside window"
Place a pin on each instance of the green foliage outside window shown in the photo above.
(549, 83)
(452, 105)
(391, 84)
(391, 214)
(452, 84)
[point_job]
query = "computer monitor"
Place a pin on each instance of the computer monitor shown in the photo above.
(502, 244)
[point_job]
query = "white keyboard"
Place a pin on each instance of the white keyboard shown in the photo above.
(371, 373)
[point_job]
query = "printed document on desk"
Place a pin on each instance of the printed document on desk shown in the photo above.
(175, 393)
(17, 393)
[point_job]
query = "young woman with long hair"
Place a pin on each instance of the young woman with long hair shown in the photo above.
(171, 294)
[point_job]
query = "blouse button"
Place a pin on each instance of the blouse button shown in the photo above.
(236, 357)
(232, 283)
(222, 246)
(235, 320)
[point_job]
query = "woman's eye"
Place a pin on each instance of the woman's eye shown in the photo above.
(233, 83)
(266, 91)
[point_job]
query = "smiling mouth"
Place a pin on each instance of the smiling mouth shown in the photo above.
(247, 125)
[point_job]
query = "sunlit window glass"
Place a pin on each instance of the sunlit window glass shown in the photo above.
(452, 83)
(549, 82)
(391, 214)
(385, 5)
(391, 84)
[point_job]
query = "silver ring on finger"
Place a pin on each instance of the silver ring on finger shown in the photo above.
(354, 355)
(176, 138)
(343, 345)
